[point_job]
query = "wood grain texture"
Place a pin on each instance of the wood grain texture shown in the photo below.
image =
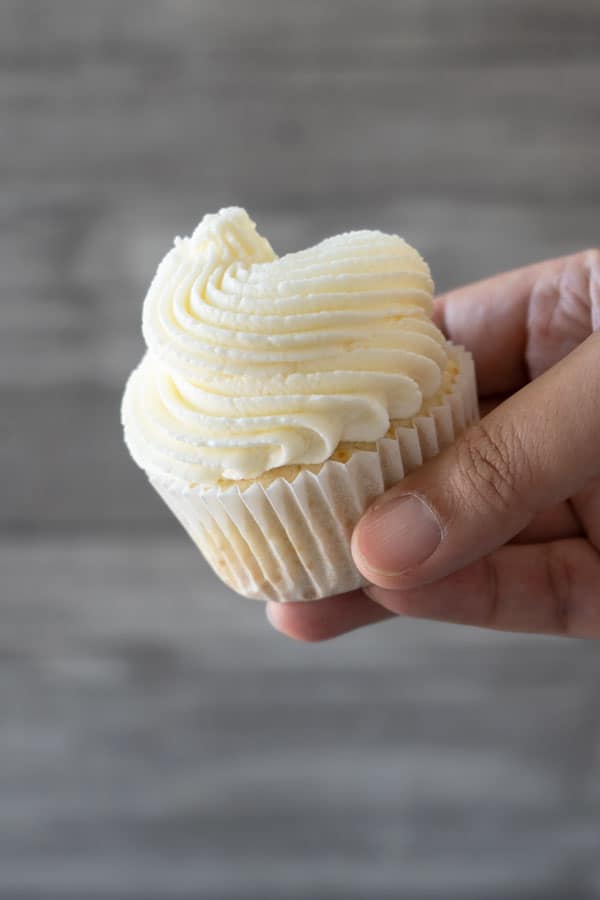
(158, 740)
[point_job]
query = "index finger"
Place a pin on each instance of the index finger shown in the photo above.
(491, 317)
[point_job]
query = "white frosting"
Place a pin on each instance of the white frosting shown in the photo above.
(256, 361)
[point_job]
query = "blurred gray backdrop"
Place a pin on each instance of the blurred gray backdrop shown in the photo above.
(157, 740)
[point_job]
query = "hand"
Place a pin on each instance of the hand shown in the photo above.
(502, 529)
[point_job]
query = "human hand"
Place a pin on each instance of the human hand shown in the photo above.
(502, 529)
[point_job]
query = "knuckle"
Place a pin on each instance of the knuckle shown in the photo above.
(489, 467)
(577, 284)
(592, 257)
(593, 268)
(564, 309)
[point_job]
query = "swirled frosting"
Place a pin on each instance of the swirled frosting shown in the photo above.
(256, 362)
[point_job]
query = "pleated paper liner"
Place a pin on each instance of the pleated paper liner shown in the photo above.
(290, 539)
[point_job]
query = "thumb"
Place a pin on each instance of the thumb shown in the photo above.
(533, 451)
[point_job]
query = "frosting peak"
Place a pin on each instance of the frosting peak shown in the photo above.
(256, 361)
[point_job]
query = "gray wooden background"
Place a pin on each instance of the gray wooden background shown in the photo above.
(157, 740)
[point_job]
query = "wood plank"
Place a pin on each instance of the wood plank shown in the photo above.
(124, 130)
(159, 740)
(122, 133)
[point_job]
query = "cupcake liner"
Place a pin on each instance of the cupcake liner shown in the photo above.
(290, 540)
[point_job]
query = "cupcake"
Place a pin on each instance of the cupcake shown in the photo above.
(279, 396)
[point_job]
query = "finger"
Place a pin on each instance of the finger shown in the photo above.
(587, 506)
(552, 524)
(321, 620)
(530, 453)
(333, 616)
(544, 588)
(501, 306)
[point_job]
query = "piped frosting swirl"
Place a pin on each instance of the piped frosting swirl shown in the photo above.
(256, 362)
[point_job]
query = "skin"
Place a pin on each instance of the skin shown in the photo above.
(515, 502)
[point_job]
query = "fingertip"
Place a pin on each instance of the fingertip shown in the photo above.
(356, 549)
(366, 551)
(394, 537)
(300, 621)
(271, 614)
(322, 620)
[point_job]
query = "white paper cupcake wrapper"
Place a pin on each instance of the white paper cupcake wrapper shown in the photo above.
(291, 540)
